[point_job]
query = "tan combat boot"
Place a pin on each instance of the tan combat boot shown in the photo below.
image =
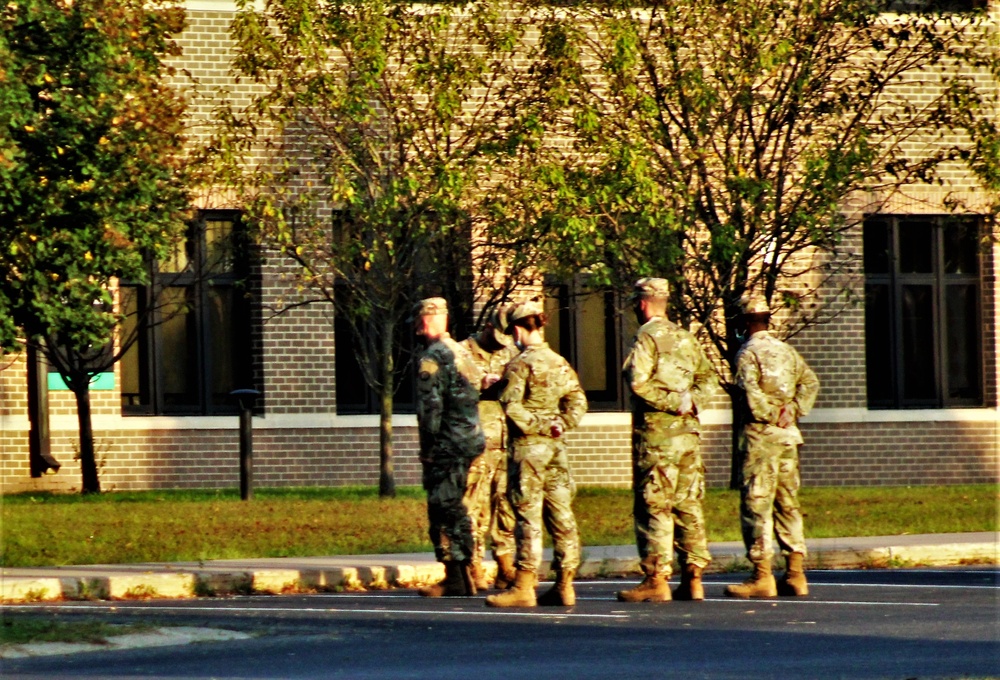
(690, 587)
(794, 580)
(654, 588)
(506, 572)
(453, 584)
(521, 595)
(760, 584)
(562, 593)
(479, 574)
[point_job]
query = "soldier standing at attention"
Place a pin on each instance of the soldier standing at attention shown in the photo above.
(486, 493)
(670, 378)
(450, 438)
(779, 389)
(543, 400)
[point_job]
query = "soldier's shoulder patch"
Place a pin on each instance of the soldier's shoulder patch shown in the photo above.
(427, 369)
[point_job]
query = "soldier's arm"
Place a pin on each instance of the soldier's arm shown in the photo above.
(705, 379)
(807, 388)
(512, 398)
(430, 395)
(640, 368)
(748, 379)
(573, 405)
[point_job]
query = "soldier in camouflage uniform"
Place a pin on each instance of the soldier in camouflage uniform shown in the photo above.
(450, 438)
(486, 493)
(779, 389)
(671, 379)
(543, 400)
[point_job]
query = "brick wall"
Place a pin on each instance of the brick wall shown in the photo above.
(302, 442)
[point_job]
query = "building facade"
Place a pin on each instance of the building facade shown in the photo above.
(901, 403)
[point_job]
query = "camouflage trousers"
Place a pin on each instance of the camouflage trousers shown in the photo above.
(450, 528)
(769, 500)
(502, 520)
(487, 503)
(541, 493)
(668, 490)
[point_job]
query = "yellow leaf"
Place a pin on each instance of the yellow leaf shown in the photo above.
(29, 128)
(103, 140)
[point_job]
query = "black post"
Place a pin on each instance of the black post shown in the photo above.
(246, 399)
(40, 458)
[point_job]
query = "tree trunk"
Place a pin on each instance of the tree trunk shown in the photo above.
(88, 463)
(386, 478)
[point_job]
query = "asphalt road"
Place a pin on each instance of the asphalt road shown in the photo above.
(942, 623)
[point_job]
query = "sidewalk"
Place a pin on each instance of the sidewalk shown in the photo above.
(359, 572)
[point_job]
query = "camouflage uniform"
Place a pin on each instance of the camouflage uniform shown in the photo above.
(668, 473)
(486, 491)
(541, 387)
(773, 376)
(450, 437)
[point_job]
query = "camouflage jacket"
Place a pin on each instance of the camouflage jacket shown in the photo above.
(541, 386)
(447, 401)
(491, 415)
(666, 361)
(773, 375)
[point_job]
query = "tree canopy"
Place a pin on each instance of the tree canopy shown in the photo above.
(731, 146)
(91, 181)
(368, 155)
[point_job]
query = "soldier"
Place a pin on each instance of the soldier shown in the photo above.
(450, 437)
(543, 400)
(671, 379)
(486, 493)
(779, 388)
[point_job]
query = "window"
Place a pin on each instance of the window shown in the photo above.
(190, 330)
(354, 396)
(586, 327)
(923, 328)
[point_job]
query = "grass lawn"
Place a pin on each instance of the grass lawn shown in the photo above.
(23, 629)
(47, 529)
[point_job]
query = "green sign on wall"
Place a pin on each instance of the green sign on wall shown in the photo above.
(101, 381)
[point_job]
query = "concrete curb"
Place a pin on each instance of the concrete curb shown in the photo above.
(176, 581)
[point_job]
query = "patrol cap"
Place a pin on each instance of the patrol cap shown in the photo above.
(523, 310)
(754, 305)
(650, 288)
(430, 307)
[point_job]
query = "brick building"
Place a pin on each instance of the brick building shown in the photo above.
(164, 419)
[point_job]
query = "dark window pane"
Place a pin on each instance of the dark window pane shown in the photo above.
(916, 252)
(178, 347)
(878, 345)
(592, 334)
(963, 333)
(961, 248)
(223, 344)
(353, 394)
(219, 249)
(554, 312)
(134, 376)
(917, 334)
(876, 247)
(181, 258)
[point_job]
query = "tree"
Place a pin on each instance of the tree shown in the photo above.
(376, 134)
(731, 146)
(91, 182)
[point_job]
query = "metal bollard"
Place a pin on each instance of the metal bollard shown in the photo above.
(246, 399)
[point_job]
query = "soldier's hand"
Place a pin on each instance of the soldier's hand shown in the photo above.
(490, 379)
(787, 416)
(556, 428)
(687, 404)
